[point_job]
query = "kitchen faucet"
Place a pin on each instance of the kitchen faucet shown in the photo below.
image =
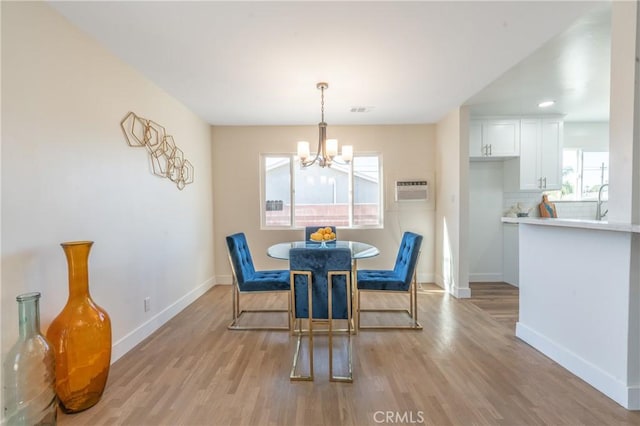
(599, 214)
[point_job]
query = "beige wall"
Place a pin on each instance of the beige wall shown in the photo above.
(452, 213)
(68, 174)
(408, 153)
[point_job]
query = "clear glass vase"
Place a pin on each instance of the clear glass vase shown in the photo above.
(29, 371)
(81, 338)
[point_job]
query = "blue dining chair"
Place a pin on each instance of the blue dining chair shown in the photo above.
(247, 280)
(320, 291)
(311, 229)
(402, 279)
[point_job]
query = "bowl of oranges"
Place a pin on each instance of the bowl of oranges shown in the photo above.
(323, 235)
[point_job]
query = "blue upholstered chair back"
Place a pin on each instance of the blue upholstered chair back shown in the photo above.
(407, 257)
(311, 229)
(319, 261)
(240, 257)
(248, 279)
(400, 277)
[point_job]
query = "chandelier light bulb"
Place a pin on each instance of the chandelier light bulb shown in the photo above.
(347, 153)
(303, 150)
(332, 147)
(327, 148)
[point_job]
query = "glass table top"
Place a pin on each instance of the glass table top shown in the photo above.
(358, 250)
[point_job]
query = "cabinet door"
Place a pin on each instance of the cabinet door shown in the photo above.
(502, 136)
(475, 138)
(551, 153)
(529, 154)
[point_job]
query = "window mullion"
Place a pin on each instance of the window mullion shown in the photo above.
(350, 195)
(292, 191)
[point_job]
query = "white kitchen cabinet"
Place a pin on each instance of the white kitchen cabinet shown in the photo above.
(494, 138)
(502, 137)
(541, 154)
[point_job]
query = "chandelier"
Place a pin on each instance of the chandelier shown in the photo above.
(327, 148)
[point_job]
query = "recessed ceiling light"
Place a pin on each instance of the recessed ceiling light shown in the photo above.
(546, 104)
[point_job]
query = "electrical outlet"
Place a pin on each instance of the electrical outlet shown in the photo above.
(147, 304)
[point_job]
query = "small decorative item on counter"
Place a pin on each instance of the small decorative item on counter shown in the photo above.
(547, 209)
(517, 210)
(29, 371)
(81, 337)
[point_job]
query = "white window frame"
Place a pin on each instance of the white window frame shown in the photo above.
(294, 162)
(578, 190)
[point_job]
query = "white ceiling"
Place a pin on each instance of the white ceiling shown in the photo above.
(572, 69)
(257, 63)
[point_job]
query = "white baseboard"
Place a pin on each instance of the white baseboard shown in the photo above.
(627, 396)
(224, 279)
(426, 277)
(461, 293)
(439, 280)
(485, 277)
(129, 341)
(458, 293)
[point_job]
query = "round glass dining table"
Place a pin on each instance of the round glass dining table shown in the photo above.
(358, 250)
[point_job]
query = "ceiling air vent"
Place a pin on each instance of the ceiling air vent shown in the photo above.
(361, 109)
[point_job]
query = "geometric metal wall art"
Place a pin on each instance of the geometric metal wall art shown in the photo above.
(167, 160)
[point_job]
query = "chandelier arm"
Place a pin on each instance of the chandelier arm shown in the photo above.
(316, 159)
(308, 163)
(321, 156)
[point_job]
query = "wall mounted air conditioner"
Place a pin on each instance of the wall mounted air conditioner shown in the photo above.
(412, 190)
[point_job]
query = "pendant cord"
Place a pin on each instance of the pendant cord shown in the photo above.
(322, 103)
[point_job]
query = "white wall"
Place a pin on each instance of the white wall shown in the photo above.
(452, 215)
(598, 338)
(408, 152)
(485, 228)
(591, 136)
(68, 174)
(575, 305)
(623, 156)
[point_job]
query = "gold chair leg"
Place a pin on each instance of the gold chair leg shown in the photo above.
(293, 376)
(358, 311)
(354, 296)
(234, 305)
(236, 312)
(412, 312)
(415, 301)
(348, 289)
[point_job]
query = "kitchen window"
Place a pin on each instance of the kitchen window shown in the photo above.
(583, 173)
(347, 196)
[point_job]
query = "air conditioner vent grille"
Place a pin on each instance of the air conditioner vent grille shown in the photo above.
(412, 190)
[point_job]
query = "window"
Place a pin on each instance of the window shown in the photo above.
(583, 172)
(348, 196)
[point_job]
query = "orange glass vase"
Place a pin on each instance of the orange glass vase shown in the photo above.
(81, 338)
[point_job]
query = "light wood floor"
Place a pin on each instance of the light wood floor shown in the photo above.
(499, 300)
(465, 368)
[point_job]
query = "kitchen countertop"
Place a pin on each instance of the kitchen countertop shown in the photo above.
(574, 223)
